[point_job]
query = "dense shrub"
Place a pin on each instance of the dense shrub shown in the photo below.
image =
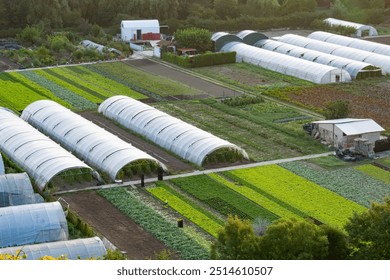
(200, 60)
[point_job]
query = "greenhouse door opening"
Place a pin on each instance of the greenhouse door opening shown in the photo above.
(337, 79)
(139, 34)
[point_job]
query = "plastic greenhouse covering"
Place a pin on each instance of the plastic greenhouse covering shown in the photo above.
(83, 249)
(2, 168)
(16, 189)
(183, 139)
(32, 223)
(250, 37)
(306, 70)
(86, 140)
(358, 26)
(353, 67)
(379, 60)
(38, 155)
(222, 38)
(351, 42)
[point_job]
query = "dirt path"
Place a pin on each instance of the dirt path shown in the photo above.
(212, 89)
(126, 235)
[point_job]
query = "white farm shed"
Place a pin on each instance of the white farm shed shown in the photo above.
(134, 30)
(341, 133)
(361, 29)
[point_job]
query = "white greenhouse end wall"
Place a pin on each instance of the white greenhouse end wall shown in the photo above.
(76, 249)
(89, 142)
(36, 223)
(183, 139)
(34, 152)
(299, 68)
(351, 42)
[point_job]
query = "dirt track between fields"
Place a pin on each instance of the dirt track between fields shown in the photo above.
(125, 234)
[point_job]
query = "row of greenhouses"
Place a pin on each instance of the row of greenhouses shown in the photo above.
(310, 58)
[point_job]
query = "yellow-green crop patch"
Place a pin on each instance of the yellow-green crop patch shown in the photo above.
(375, 172)
(312, 199)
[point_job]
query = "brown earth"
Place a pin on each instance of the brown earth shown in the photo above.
(107, 220)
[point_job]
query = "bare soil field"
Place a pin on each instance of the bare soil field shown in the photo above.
(107, 220)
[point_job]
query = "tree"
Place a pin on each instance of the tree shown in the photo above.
(236, 241)
(293, 6)
(226, 9)
(197, 38)
(369, 232)
(337, 109)
(292, 239)
(338, 243)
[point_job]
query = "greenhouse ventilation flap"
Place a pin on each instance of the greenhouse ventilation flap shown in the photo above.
(378, 60)
(16, 189)
(89, 142)
(183, 139)
(2, 168)
(34, 152)
(351, 42)
(284, 64)
(83, 248)
(32, 223)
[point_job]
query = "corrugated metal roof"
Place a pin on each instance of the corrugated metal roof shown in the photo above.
(354, 126)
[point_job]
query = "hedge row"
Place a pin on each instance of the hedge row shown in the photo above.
(201, 60)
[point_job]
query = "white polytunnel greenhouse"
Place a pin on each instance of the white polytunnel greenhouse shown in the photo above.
(250, 37)
(2, 168)
(16, 189)
(32, 223)
(292, 66)
(356, 69)
(351, 42)
(91, 143)
(379, 60)
(183, 139)
(361, 29)
(83, 248)
(219, 39)
(35, 153)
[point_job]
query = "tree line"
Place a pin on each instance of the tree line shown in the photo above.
(210, 14)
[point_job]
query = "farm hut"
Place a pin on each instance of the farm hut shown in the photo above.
(2, 168)
(342, 133)
(89, 142)
(361, 29)
(220, 39)
(181, 138)
(16, 189)
(351, 42)
(378, 60)
(291, 66)
(38, 155)
(356, 69)
(83, 248)
(32, 223)
(140, 30)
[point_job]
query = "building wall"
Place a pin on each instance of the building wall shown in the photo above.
(129, 33)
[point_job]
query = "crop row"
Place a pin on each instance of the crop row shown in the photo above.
(347, 182)
(157, 225)
(310, 198)
(375, 172)
(258, 197)
(109, 87)
(222, 199)
(76, 101)
(187, 208)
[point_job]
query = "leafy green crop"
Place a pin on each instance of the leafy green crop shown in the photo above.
(375, 172)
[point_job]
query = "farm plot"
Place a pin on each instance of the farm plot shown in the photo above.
(375, 172)
(17, 92)
(153, 222)
(310, 198)
(348, 182)
(188, 208)
(255, 132)
(154, 86)
(222, 199)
